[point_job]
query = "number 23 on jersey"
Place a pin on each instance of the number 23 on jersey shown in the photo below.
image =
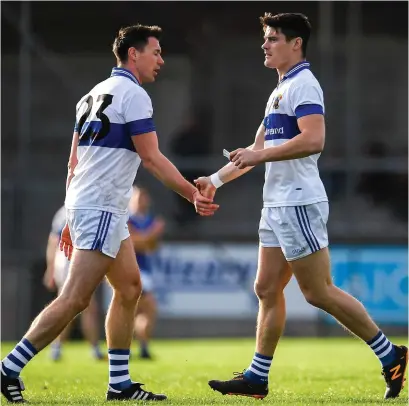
(94, 129)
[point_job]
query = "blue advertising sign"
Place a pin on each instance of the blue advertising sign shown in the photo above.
(377, 276)
(217, 280)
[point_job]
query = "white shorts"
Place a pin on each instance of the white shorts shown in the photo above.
(97, 230)
(147, 282)
(298, 230)
(61, 265)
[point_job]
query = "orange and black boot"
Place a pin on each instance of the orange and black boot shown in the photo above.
(394, 373)
(240, 386)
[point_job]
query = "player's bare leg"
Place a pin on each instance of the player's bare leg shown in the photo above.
(87, 269)
(145, 321)
(56, 345)
(314, 277)
(90, 327)
(273, 275)
(126, 283)
(90, 330)
(65, 333)
(125, 280)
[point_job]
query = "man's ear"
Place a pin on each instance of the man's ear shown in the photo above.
(297, 44)
(133, 54)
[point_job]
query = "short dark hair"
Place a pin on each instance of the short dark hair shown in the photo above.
(291, 25)
(134, 36)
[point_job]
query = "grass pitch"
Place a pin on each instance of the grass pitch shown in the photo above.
(305, 371)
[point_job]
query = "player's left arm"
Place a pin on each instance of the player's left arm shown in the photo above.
(308, 107)
(308, 142)
(307, 104)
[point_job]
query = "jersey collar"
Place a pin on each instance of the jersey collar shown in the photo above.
(295, 69)
(125, 73)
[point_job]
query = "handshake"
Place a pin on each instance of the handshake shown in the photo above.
(206, 189)
(203, 196)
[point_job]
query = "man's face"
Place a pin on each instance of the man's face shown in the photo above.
(276, 49)
(149, 61)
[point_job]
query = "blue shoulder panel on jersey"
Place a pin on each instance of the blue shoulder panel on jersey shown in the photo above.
(119, 135)
(280, 127)
(307, 109)
(142, 126)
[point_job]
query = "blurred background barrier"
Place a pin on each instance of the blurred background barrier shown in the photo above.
(206, 290)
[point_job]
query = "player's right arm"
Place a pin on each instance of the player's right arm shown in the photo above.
(156, 163)
(138, 117)
(230, 172)
(208, 184)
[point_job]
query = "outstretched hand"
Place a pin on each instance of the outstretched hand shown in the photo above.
(204, 205)
(205, 187)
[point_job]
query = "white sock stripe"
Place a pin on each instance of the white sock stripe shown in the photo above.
(373, 345)
(265, 367)
(24, 347)
(11, 365)
(113, 390)
(116, 357)
(379, 348)
(145, 396)
(258, 372)
(123, 367)
(118, 379)
(123, 373)
(386, 352)
(380, 342)
(266, 361)
(21, 351)
(20, 357)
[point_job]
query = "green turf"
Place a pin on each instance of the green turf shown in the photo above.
(304, 372)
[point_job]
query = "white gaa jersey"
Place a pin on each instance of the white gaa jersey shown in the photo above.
(294, 182)
(107, 117)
